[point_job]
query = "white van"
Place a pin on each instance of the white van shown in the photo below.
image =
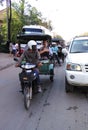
(36, 29)
(27, 29)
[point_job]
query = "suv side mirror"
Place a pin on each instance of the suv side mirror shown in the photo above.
(65, 51)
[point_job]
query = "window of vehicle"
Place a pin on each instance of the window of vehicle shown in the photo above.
(32, 30)
(79, 46)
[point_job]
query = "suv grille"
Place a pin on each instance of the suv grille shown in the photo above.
(86, 67)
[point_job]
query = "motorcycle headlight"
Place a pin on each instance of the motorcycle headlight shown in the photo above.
(73, 67)
(25, 78)
(28, 71)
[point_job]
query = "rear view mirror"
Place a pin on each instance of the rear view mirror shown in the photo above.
(65, 51)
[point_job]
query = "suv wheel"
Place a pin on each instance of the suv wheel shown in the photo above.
(68, 87)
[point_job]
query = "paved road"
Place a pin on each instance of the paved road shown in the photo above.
(5, 60)
(51, 110)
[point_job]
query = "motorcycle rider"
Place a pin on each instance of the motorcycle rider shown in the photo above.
(32, 55)
(55, 51)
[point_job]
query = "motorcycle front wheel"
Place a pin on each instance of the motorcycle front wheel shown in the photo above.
(27, 99)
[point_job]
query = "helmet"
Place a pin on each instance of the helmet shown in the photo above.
(31, 43)
(53, 43)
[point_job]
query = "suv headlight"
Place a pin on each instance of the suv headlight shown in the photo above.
(73, 67)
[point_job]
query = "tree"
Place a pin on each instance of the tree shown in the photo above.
(8, 11)
(84, 34)
(24, 14)
(1, 2)
(34, 16)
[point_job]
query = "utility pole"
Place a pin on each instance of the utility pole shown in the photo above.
(9, 13)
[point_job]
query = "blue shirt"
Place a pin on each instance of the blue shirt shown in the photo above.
(55, 50)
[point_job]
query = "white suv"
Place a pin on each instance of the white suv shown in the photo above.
(76, 67)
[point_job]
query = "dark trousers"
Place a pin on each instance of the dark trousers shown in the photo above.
(36, 71)
(56, 57)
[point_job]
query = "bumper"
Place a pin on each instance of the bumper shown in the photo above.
(77, 78)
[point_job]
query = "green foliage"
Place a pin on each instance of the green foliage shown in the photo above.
(84, 34)
(4, 30)
(23, 14)
(34, 16)
(1, 38)
(16, 25)
(3, 48)
(1, 2)
(58, 36)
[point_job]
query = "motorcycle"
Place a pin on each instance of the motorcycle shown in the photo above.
(28, 81)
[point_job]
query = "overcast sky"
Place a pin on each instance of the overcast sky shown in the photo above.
(69, 17)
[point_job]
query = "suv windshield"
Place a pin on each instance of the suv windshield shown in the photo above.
(79, 46)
